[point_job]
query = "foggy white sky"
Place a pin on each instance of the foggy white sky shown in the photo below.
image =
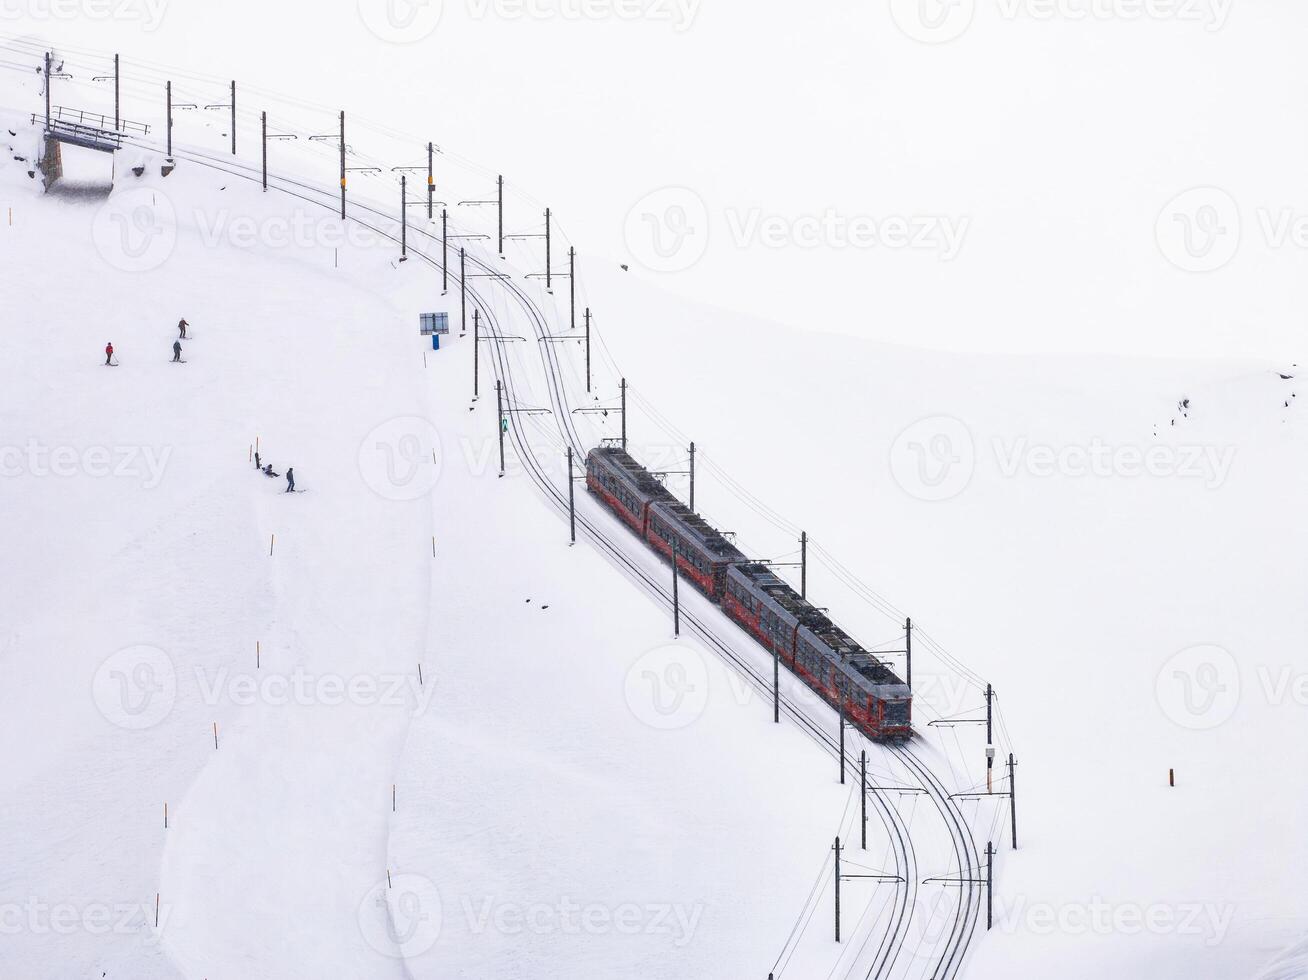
(975, 174)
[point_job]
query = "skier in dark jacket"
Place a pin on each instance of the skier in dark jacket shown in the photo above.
(181, 329)
(109, 353)
(177, 351)
(268, 471)
(290, 480)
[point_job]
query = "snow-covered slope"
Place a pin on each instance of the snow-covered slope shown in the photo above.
(180, 632)
(567, 799)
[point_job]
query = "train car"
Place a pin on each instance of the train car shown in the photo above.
(814, 648)
(766, 607)
(624, 485)
(703, 554)
(845, 674)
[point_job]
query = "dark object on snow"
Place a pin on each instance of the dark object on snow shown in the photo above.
(108, 353)
(167, 168)
(268, 471)
(181, 328)
(624, 268)
(290, 480)
(257, 464)
(177, 350)
(139, 171)
(1287, 377)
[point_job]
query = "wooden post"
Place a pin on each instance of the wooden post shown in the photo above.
(1171, 777)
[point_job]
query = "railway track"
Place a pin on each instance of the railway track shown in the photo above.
(890, 948)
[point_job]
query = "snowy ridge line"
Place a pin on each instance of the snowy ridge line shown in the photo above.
(615, 554)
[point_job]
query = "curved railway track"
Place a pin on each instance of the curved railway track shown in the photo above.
(890, 947)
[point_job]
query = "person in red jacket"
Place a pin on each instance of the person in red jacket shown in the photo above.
(109, 354)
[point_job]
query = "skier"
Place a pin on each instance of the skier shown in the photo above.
(181, 329)
(109, 353)
(257, 465)
(177, 351)
(268, 471)
(290, 480)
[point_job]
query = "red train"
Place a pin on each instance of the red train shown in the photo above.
(811, 646)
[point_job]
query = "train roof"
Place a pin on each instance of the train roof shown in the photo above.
(762, 579)
(857, 663)
(699, 530)
(635, 474)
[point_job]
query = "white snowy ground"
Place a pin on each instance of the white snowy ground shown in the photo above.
(967, 490)
(546, 814)
(562, 831)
